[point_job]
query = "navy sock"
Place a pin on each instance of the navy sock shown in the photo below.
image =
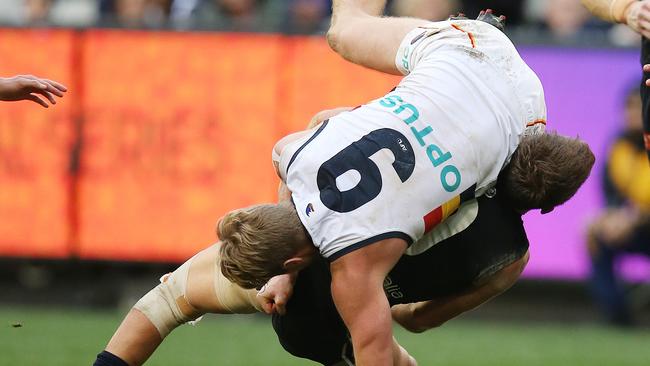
(108, 359)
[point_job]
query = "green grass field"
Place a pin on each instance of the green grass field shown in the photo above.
(66, 337)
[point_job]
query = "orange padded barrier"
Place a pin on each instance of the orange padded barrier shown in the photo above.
(176, 130)
(35, 146)
(316, 78)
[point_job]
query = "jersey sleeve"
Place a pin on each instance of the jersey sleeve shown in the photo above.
(411, 50)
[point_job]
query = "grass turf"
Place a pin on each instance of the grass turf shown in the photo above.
(67, 337)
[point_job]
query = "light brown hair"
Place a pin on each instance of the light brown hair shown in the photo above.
(256, 241)
(545, 171)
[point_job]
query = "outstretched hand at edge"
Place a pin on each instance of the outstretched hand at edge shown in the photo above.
(28, 87)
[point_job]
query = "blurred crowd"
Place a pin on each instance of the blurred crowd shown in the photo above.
(623, 227)
(564, 21)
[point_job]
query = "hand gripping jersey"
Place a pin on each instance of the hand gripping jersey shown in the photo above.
(399, 165)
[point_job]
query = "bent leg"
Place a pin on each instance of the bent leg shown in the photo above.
(135, 339)
(195, 288)
(361, 36)
(210, 292)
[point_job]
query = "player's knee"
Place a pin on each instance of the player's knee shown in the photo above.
(166, 306)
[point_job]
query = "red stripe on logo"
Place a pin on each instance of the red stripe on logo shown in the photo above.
(432, 219)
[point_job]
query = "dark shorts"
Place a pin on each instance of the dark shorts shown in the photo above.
(645, 94)
(312, 327)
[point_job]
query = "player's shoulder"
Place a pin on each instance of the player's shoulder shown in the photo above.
(286, 147)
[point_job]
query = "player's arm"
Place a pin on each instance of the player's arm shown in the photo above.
(28, 87)
(421, 316)
(361, 36)
(321, 116)
(636, 14)
(195, 288)
(357, 290)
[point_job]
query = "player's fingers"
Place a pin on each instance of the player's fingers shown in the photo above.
(644, 25)
(267, 307)
(47, 95)
(53, 90)
(52, 86)
(56, 85)
(281, 305)
(645, 7)
(34, 98)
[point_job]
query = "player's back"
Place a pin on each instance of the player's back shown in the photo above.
(391, 167)
(470, 74)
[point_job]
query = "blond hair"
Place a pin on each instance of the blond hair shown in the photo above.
(256, 241)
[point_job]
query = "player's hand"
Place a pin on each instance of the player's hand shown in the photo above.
(402, 314)
(637, 17)
(28, 87)
(646, 69)
(273, 297)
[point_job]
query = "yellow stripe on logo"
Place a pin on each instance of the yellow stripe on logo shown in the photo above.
(450, 207)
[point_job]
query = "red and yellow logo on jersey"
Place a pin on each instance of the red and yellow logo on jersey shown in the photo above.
(438, 215)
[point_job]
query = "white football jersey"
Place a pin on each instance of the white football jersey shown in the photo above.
(399, 165)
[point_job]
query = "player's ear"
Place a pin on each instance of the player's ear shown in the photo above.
(295, 264)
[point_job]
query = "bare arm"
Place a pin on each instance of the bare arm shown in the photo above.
(425, 315)
(28, 87)
(636, 14)
(361, 36)
(608, 10)
(357, 290)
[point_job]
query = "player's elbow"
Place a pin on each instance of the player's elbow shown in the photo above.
(333, 38)
(427, 325)
(423, 320)
(508, 276)
(341, 39)
(419, 328)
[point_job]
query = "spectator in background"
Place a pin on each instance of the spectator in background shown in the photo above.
(37, 12)
(562, 21)
(25, 12)
(426, 9)
(48, 12)
(565, 18)
(239, 15)
(308, 16)
(135, 13)
(624, 227)
(181, 12)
